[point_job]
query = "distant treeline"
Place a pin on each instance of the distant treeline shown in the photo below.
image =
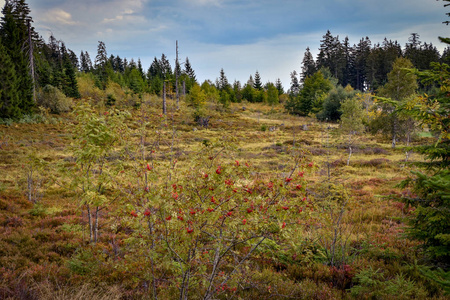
(28, 64)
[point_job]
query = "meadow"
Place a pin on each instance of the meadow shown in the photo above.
(103, 203)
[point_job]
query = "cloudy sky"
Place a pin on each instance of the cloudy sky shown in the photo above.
(239, 36)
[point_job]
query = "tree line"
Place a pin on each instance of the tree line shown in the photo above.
(29, 65)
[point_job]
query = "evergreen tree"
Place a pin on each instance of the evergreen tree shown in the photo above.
(14, 37)
(165, 67)
(85, 62)
(430, 222)
(380, 61)
(331, 108)
(361, 54)
(331, 56)
(295, 85)
(188, 75)
(189, 70)
(118, 63)
(308, 65)
(70, 87)
(223, 84)
(445, 58)
(310, 99)
(348, 72)
(237, 91)
(257, 84)
(9, 87)
(279, 87)
(101, 65)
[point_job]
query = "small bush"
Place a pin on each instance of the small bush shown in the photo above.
(52, 98)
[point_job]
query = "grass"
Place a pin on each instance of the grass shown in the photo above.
(40, 243)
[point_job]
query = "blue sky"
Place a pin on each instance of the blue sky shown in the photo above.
(239, 36)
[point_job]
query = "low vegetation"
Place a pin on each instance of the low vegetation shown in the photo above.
(106, 203)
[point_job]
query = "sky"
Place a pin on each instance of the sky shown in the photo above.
(242, 37)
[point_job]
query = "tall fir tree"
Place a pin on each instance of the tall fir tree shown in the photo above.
(257, 84)
(14, 37)
(361, 53)
(308, 65)
(9, 87)
(279, 87)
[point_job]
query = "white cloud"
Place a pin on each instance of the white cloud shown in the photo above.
(59, 16)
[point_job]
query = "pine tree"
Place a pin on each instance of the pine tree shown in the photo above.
(308, 65)
(430, 222)
(14, 37)
(361, 54)
(101, 65)
(165, 67)
(257, 84)
(70, 87)
(295, 85)
(279, 87)
(9, 87)
(331, 56)
(223, 84)
(348, 71)
(189, 70)
(85, 62)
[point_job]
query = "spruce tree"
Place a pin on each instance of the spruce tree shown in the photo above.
(9, 87)
(14, 37)
(361, 53)
(257, 84)
(308, 65)
(279, 87)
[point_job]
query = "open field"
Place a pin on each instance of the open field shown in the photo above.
(350, 244)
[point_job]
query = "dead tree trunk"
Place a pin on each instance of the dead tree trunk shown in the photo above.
(31, 55)
(164, 98)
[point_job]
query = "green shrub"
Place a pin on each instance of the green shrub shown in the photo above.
(52, 98)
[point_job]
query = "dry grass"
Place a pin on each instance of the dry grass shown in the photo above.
(262, 135)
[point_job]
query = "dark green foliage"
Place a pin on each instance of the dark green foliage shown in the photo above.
(380, 61)
(257, 84)
(70, 86)
(331, 56)
(249, 93)
(431, 192)
(332, 103)
(308, 65)
(9, 87)
(361, 53)
(14, 37)
(311, 95)
(421, 55)
(431, 222)
(279, 87)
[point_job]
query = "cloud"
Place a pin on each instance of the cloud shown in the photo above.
(59, 16)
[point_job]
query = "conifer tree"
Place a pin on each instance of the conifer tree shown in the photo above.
(9, 87)
(101, 65)
(223, 84)
(257, 84)
(361, 53)
(308, 65)
(14, 37)
(279, 87)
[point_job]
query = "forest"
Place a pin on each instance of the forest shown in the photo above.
(125, 183)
